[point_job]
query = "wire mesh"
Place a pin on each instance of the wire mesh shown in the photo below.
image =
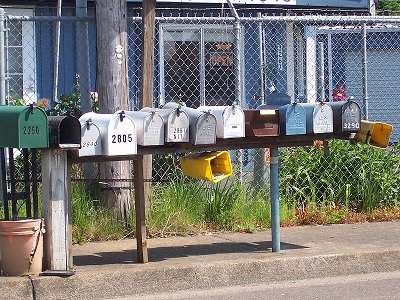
(207, 57)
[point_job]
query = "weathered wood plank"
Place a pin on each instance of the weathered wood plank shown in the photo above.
(56, 210)
(141, 240)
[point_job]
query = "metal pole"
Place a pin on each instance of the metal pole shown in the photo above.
(261, 54)
(57, 52)
(2, 59)
(274, 183)
(259, 159)
(330, 67)
(3, 183)
(365, 72)
(322, 70)
(82, 49)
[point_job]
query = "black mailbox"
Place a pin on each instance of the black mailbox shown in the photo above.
(346, 116)
(64, 132)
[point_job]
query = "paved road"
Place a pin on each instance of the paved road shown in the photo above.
(364, 286)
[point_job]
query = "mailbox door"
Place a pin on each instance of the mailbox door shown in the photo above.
(177, 127)
(153, 130)
(120, 138)
(351, 117)
(33, 128)
(294, 119)
(65, 132)
(322, 118)
(203, 130)
(233, 123)
(91, 140)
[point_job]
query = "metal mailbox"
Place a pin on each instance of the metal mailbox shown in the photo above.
(149, 127)
(202, 124)
(176, 124)
(262, 122)
(117, 134)
(319, 117)
(376, 134)
(292, 118)
(211, 166)
(23, 127)
(91, 144)
(230, 120)
(65, 132)
(346, 116)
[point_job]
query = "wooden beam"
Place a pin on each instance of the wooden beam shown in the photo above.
(141, 241)
(146, 99)
(56, 210)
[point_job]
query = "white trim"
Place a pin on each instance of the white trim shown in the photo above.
(310, 33)
(28, 53)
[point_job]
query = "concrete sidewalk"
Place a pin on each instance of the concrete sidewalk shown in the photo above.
(108, 269)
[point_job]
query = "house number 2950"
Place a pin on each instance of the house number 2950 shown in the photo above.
(31, 129)
(121, 138)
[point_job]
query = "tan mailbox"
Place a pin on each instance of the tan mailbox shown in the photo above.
(230, 120)
(202, 124)
(149, 127)
(262, 122)
(176, 124)
(117, 133)
(319, 117)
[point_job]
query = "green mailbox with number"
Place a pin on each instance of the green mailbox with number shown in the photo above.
(23, 127)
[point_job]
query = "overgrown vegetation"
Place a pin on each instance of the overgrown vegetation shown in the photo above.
(354, 183)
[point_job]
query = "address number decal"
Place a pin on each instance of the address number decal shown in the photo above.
(31, 130)
(121, 138)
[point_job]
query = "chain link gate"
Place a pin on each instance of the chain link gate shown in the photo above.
(207, 57)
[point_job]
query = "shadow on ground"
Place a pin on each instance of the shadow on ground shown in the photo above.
(164, 253)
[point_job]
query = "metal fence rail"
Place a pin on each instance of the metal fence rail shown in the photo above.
(211, 58)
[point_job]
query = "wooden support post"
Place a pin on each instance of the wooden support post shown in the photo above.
(146, 99)
(57, 210)
(141, 241)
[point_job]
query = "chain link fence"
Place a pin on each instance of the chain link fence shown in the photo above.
(207, 57)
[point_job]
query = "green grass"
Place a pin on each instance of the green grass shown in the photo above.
(354, 183)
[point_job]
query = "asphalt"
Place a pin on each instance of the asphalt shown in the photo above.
(109, 269)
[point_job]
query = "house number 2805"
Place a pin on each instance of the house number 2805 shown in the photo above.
(121, 138)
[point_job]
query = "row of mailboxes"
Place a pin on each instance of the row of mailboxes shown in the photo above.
(303, 118)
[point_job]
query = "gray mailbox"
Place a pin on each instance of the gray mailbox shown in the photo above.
(346, 116)
(202, 124)
(117, 134)
(319, 117)
(176, 124)
(64, 132)
(149, 127)
(230, 120)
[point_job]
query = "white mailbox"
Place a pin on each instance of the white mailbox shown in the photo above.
(149, 127)
(117, 133)
(319, 117)
(202, 124)
(176, 124)
(230, 120)
(90, 137)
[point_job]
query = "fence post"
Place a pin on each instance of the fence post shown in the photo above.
(82, 49)
(2, 59)
(57, 210)
(365, 71)
(274, 182)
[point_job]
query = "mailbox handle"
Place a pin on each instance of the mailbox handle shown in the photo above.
(88, 123)
(121, 115)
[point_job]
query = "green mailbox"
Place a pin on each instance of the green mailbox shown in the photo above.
(23, 127)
